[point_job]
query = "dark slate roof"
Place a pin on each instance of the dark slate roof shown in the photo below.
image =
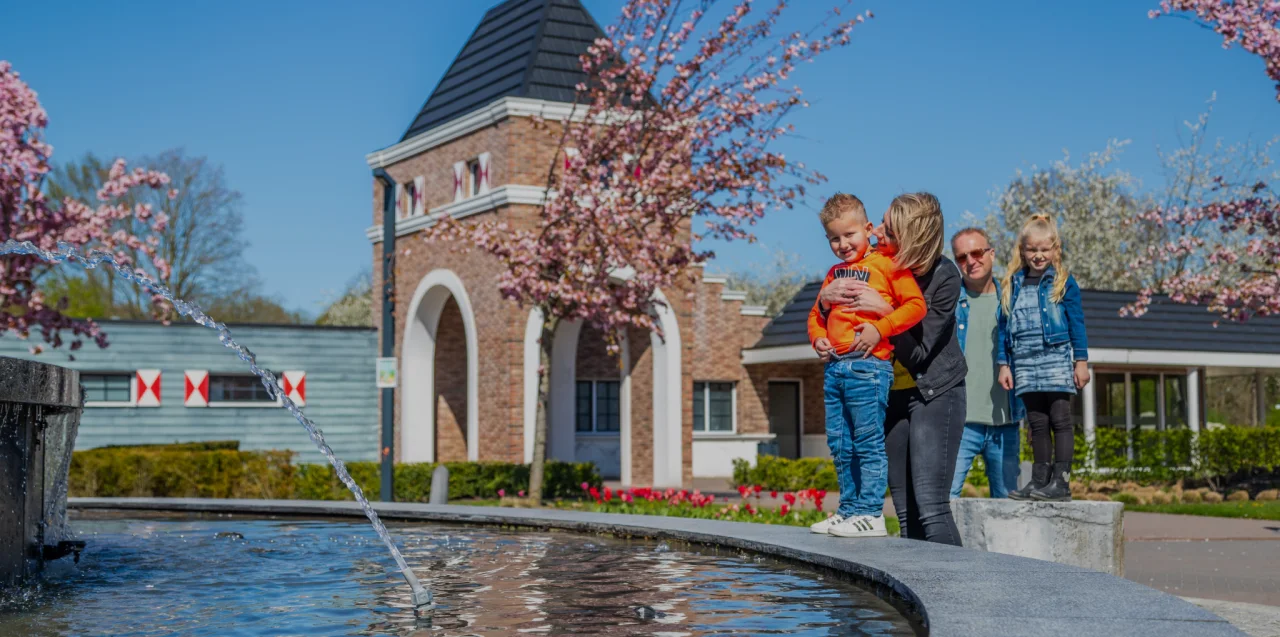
(522, 48)
(1166, 326)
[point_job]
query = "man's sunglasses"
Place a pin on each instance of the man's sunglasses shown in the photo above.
(972, 254)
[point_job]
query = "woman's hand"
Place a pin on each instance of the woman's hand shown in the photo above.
(838, 292)
(868, 301)
(867, 338)
(823, 347)
(1006, 378)
(1082, 374)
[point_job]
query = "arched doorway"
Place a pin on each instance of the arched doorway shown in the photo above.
(439, 385)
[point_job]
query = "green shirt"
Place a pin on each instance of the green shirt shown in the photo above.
(988, 402)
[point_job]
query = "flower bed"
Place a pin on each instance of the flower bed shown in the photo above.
(755, 504)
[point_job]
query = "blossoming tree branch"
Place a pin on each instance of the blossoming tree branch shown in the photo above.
(670, 143)
(1225, 253)
(26, 214)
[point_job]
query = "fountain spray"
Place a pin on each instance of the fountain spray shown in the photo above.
(423, 602)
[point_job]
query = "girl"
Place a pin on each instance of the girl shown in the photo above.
(1043, 354)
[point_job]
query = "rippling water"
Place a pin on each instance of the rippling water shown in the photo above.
(156, 575)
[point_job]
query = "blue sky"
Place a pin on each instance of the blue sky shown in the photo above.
(289, 96)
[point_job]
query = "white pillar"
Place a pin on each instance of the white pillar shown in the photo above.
(624, 410)
(1128, 415)
(532, 359)
(561, 422)
(1193, 399)
(1090, 404)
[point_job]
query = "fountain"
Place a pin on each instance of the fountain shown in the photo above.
(211, 576)
(68, 253)
(39, 413)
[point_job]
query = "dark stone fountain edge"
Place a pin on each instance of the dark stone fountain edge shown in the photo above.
(955, 591)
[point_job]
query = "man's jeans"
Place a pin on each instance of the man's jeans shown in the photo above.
(856, 392)
(999, 448)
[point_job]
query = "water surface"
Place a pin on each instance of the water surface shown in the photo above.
(151, 574)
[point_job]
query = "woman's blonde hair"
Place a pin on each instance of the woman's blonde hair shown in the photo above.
(915, 220)
(1037, 227)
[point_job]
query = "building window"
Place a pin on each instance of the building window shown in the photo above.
(410, 197)
(473, 170)
(237, 388)
(107, 388)
(598, 408)
(713, 407)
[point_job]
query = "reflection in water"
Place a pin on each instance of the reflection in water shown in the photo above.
(156, 575)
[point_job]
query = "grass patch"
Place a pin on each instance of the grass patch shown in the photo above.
(1249, 510)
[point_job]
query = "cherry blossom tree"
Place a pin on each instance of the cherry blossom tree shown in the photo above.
(26, 214)
(669, 143)
(1226, 246)
(1251, 23)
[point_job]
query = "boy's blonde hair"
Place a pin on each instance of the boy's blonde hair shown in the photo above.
(916, 221)
(1038, 227)
(839, 205)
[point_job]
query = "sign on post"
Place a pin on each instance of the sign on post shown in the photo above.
(386, 373)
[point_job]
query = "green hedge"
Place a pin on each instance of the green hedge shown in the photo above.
(1158, 456)
(784, 474)
(204, 471)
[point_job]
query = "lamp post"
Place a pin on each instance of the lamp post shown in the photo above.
(388, 447)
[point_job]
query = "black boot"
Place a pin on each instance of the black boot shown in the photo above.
(1039, 479)
(1059, 488)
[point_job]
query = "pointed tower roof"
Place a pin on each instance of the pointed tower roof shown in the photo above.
(522, 48)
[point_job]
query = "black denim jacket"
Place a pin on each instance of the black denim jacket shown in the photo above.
(929, 350)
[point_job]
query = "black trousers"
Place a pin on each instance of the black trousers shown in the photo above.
(1050, 413)
(922, 440)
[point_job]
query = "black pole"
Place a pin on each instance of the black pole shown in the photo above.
(388, 448)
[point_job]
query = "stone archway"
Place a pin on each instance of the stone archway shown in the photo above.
(423, 334)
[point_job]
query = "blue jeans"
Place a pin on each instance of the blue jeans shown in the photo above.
(999, 448)
(856, 393)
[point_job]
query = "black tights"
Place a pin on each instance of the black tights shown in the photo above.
(1050, 411)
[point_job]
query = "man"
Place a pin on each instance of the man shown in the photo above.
(992, 414)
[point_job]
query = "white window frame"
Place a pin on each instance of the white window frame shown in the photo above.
(240, 404)
(115, 404)
(473, 178)
(595, 432)
(733, 411)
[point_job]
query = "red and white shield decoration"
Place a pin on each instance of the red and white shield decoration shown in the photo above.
(459, 181)
(196, 392)
(294, 385)
(419, 196)
(147, 386)
(486, 159)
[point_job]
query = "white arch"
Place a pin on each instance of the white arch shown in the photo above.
(417, 367)
(668, 400)
(532, 358)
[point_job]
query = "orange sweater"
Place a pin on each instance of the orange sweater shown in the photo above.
(897, 287)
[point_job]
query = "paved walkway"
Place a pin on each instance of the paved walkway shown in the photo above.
(1224, 559)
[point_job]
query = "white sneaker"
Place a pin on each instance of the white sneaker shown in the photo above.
(824, 526)
(860, 526)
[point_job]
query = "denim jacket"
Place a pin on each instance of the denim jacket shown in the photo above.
(1062, 322)
(1017, 410)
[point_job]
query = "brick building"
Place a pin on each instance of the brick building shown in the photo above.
(663, 411)
(726, 377)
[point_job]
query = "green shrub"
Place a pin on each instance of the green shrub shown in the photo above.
(785, 474)
(201, 471)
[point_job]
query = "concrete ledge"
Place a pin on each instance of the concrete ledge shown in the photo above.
(31, 383)
(954, 591)
(1081, 533)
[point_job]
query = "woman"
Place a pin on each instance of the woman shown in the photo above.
(925, 417)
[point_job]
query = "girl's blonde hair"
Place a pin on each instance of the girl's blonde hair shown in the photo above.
(1037, 227)
(916, 222)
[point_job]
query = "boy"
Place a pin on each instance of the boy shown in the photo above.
(858, 376)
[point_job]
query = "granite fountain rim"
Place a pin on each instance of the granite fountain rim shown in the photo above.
(955, 591)
(31, 382)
